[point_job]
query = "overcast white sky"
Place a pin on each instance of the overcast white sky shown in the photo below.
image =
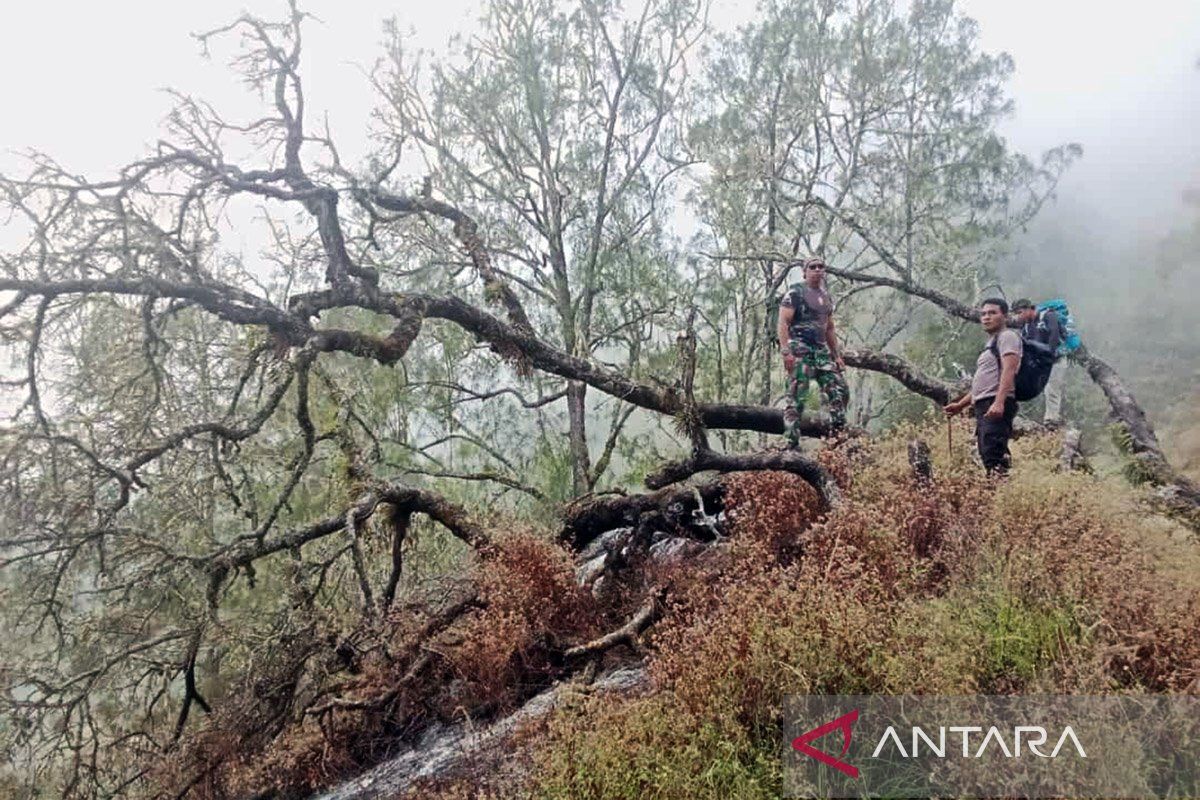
(81, 81)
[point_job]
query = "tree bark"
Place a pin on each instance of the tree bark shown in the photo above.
(913, 379)
(777, 460)
(581, 460)
(670, 508)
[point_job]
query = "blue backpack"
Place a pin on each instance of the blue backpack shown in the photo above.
(1038, 359)
(1070, 335)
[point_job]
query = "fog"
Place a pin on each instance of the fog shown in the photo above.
(85, 86)
(1124, 81)
(1121, 79)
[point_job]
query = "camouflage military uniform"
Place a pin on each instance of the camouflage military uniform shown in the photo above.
(814, 361)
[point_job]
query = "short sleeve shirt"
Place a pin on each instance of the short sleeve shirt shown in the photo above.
(986, 382)
(809, 324)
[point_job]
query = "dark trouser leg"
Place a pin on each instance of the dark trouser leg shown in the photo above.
(836, 394)
(992, 435)
(797, 391)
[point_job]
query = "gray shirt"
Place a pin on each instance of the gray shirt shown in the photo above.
(810, 323)
(986, 382)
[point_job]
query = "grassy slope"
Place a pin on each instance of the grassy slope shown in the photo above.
(1044, 583)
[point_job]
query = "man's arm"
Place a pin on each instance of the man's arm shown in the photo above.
(835, 349)
(956, 406)
(786, 314)
(1009, 364)
(1053, 330)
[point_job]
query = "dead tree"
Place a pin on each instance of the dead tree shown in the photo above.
(188, 470)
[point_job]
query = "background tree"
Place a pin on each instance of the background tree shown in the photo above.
(559, 127)
(204, 470)
(867, 136)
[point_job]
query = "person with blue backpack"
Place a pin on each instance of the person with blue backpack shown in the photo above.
(1013, 367)
(1050, 323)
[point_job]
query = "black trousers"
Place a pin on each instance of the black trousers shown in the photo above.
(992, 435)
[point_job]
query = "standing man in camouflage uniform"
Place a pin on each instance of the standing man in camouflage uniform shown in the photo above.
(810, 350)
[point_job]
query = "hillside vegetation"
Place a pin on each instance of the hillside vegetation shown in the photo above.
(1045, 582)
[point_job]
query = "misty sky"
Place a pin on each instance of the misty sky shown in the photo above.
(82, 82)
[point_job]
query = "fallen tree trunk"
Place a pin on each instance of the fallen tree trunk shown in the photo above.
(1177, 493)
(671, 504)
(669, 507)
(1122, 402)
(511, 341)
(448, 751)
(913, 379)
(778, 460)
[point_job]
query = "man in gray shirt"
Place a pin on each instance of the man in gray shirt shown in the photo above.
(992, 387)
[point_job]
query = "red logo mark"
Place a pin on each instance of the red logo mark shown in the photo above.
(843, 723)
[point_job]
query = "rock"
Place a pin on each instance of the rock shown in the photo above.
(602, 552)
(445, 751)
(1072, 457)
(589, 571)
(675, 549)
(603, 543)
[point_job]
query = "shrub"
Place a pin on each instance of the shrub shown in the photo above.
(532, 609)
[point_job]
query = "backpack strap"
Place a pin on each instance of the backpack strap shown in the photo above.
(995, 348)
(799, 306)
(795, 291)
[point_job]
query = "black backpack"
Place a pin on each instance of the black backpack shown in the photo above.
(771, 318)
(800, 310)
(1037, 359)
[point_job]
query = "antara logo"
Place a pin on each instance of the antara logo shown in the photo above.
(1033, 737)
(842, 723)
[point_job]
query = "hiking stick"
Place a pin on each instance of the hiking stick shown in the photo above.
(949, 437)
